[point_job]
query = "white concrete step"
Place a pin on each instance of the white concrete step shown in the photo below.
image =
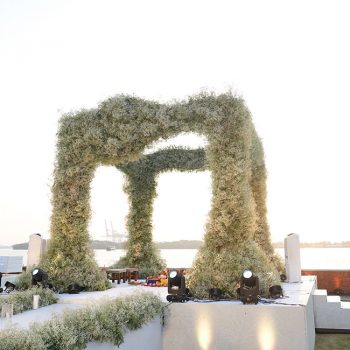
(330, 312)
(320, 292)
(323, 300)
(333, 299)
(345, 305)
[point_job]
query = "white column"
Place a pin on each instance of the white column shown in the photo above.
(36, 301)
(36, 249)
(292, 258)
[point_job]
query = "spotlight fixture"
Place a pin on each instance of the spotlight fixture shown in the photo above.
(275, 292)
(9, 287)
(283, 277)
(39, 276)
(215, 294)
(177, 287)
(249, 288)
(74, 288)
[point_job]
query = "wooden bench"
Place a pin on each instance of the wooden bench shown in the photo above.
(132, 273)
(117, 274)
(126, 274)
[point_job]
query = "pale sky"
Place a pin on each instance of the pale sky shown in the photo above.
(288, 59)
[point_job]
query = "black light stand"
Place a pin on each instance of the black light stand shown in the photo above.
(249, 288)
(40, 276)
(177, 288)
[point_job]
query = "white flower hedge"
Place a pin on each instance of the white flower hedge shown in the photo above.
(22, 300)
(104, 322)
(116, 133)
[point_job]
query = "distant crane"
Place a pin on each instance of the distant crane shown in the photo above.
(113, 235)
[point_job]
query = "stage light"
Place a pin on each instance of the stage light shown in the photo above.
(275, 292)
(176, 283)
(283, 277)
(249, 288)
(215, 294)
(247, 274)
(177, 287)
(74, 288)
(39, 276)
(9, 287)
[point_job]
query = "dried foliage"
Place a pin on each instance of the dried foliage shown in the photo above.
(229, 263)
(116, 133)
(24, 280)
(106, 322)
(141, 187)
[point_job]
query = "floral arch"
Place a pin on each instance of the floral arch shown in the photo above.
(116, 133)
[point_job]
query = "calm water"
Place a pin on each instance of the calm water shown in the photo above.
(311, 258)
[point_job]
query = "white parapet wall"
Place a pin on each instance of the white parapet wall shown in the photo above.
(287, 324)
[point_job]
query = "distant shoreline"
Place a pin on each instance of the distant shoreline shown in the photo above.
(323, 244)
(189, 244)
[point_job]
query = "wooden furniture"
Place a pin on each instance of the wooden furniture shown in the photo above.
(117, 274)
(132, 273)
(127, 274)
